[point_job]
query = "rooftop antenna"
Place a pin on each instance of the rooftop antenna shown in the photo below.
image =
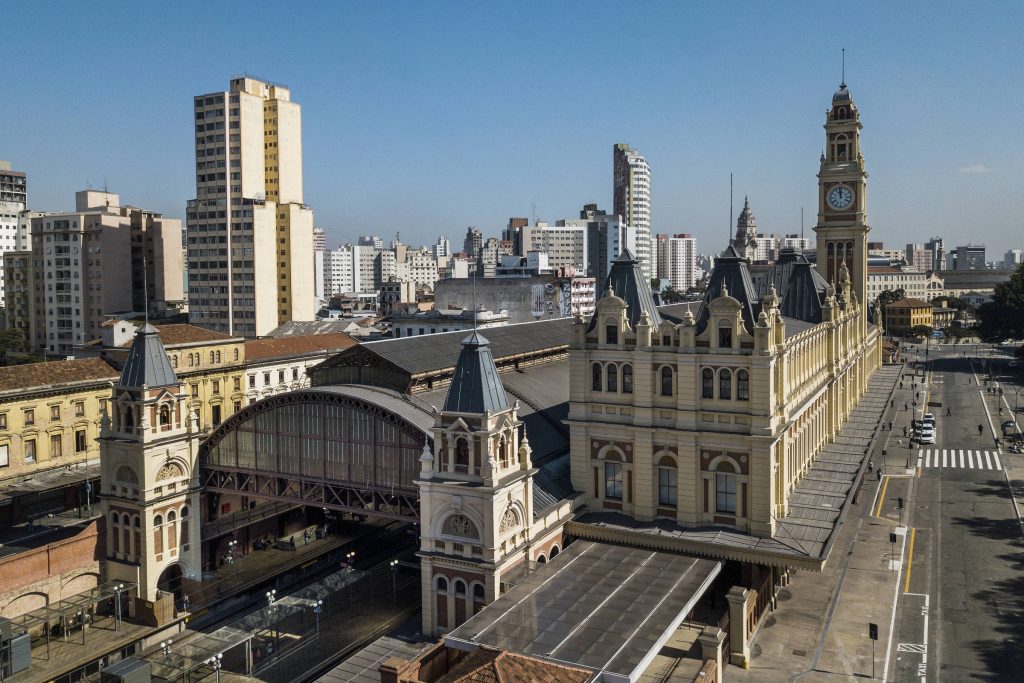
(474, 301)
(730, 207)
(842, 83)
(533, 212)
(801, 225)
(145, 289)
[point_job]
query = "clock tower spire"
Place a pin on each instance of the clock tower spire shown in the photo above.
(842, 227)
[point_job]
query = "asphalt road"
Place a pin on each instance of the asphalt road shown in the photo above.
(961, 613)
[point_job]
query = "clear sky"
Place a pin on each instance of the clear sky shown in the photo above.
(426, 117)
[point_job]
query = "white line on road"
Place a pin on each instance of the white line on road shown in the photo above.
(988, 460)
(995, 457)
(943, 457)
(961, 459)
(970, 460)
(895, 599)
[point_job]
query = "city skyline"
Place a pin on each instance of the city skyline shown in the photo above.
(471, 127)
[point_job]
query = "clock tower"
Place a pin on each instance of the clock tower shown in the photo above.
(842, 228)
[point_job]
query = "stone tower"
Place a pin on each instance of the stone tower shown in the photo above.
(476, 496)
(149, 443)
(746, 231)
(842, 227)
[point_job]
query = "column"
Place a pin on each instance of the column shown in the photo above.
(711, 640)
(739, 648)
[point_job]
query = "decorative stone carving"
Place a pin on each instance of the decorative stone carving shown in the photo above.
(509, 521)
(171, 470)
(126, 474)
(461, 526)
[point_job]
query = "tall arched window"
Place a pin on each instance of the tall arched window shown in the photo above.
(460, 587)
(666, 381)
(461, 455)
(725, 384)
(743, 385)
(667, 481)
(115, 532)
(184, 527)
(613, 377)
(627, 379)
(725, 336)
(442, 584)
(172, 530)
(236, 354)
(165, 415)
(707, 383)
(158, 534)
(725, 489)
(126, 537)
(596, 376)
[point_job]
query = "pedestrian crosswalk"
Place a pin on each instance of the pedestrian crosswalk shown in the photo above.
(953, 458)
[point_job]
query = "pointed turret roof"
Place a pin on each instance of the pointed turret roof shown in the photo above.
(732, 274)
(476, 386)
(147, 364)
(626, 280)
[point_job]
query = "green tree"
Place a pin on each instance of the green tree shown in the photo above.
(1003, 316)
(887, 297)
(920, 331)
(671, 295)
(12, 339)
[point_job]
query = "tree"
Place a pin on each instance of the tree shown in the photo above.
(671, 295)
(12, 339)
(920, 331)
(1003, 316)
(887, 297)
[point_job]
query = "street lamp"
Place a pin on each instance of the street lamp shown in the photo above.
(317, 607)
(215, 664)
(271, 597)
(117, 606)
(231, 556)
(165, 646)
(394, 574)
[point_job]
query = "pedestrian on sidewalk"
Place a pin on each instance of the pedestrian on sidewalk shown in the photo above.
(305, 537)
(890, 425)
(904, 431)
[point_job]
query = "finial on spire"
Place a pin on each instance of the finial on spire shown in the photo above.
(842, 83)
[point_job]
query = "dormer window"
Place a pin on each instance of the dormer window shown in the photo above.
(461, 456)
(611, 334)
(165, 416)
(725, 337)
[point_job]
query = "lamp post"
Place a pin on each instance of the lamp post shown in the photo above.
(117, 606)
(317, 607)
(394, 576)
(165, 647)
(231, 556)
(215, 664)
(271, 598)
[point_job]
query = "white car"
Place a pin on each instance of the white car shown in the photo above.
(927, 437)
(929, 417)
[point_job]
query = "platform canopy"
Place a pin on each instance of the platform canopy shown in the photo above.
(604, 607)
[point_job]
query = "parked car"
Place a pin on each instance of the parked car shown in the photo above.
(927, 437)
(929, 419)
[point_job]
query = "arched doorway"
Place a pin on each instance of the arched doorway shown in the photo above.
(170, 580)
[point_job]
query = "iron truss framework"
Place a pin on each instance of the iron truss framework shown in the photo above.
(291, 477)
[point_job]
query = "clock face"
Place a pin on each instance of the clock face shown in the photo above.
(840, 197)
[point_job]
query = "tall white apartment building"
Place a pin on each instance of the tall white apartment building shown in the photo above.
(1013, 258)
(801, 244)
(371, 241)
(682, 261)
(764, 247)
(338, 270)
(419, 267)
(319, 263)
(631, 193)
(250, 236)
(13, 201)
(565, 243)
(443, 248)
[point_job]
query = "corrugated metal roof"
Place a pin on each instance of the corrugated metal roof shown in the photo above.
(147, 364)
(476, 387)
(400, 404)
(436, 352)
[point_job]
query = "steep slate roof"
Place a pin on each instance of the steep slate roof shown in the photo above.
(476, 386)
(291, 346)
(147, 364)
(798, 284)
(731, 271)
(626, 280)
(54, 374)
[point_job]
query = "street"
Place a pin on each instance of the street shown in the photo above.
(959, 615)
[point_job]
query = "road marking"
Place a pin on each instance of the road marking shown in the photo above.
(892, 617)
(881, 498)
(988, 460)
(995, 457)
(910, 560)
(961, 459)
(970, 460)
(911, 647)
(943, 457)
(928, 458)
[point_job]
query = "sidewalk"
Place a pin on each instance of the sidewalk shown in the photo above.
(819, 628)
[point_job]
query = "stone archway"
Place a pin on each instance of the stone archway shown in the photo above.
(170, 580)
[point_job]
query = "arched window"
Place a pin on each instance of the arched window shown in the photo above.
(165, 415)
(707, 383)
(725, 489)
(114, 518)
(174, 361)
(613, 479)
(461, 455)
(725, 336)
(595, 376)
(668, 488)
(478, 592)
(184, 512)
(158, 520)
(460, 587)
(554, 551)
(212, 356)
(743, 385)
(236, 354)
(191, 360)
(724, 384)
(126, 531)
(129, 420)
(502, 452)
(171, 516)
(627, 379)
(218, 356)
(613, 378)
(441, 584)
(115, 532)
(666, 381)
(542, 560)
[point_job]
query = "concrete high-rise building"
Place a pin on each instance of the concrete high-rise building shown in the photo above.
(370, 241)
(1013, 258)
(968, 257)
(513, 233)
(319, 263)
(474, 242)
(938, 250)
(801, 244)
(565, 243)
(631, 192)
(682, 259)
(250, 236)
(661, 256)
(919, 258)
(13, 201)
(443, 248)
(98, 260)
(319, 239)
(607, 236)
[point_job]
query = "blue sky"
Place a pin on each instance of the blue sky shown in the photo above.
(424, 118)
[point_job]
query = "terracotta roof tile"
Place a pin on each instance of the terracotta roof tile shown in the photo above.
(909, 303)
(56, 372)
(290, 346)
(185, 334)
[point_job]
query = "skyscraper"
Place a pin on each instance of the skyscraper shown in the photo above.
(682, 258)
(474, 242)
(631, 193)
(250, 237)
(13, 200)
